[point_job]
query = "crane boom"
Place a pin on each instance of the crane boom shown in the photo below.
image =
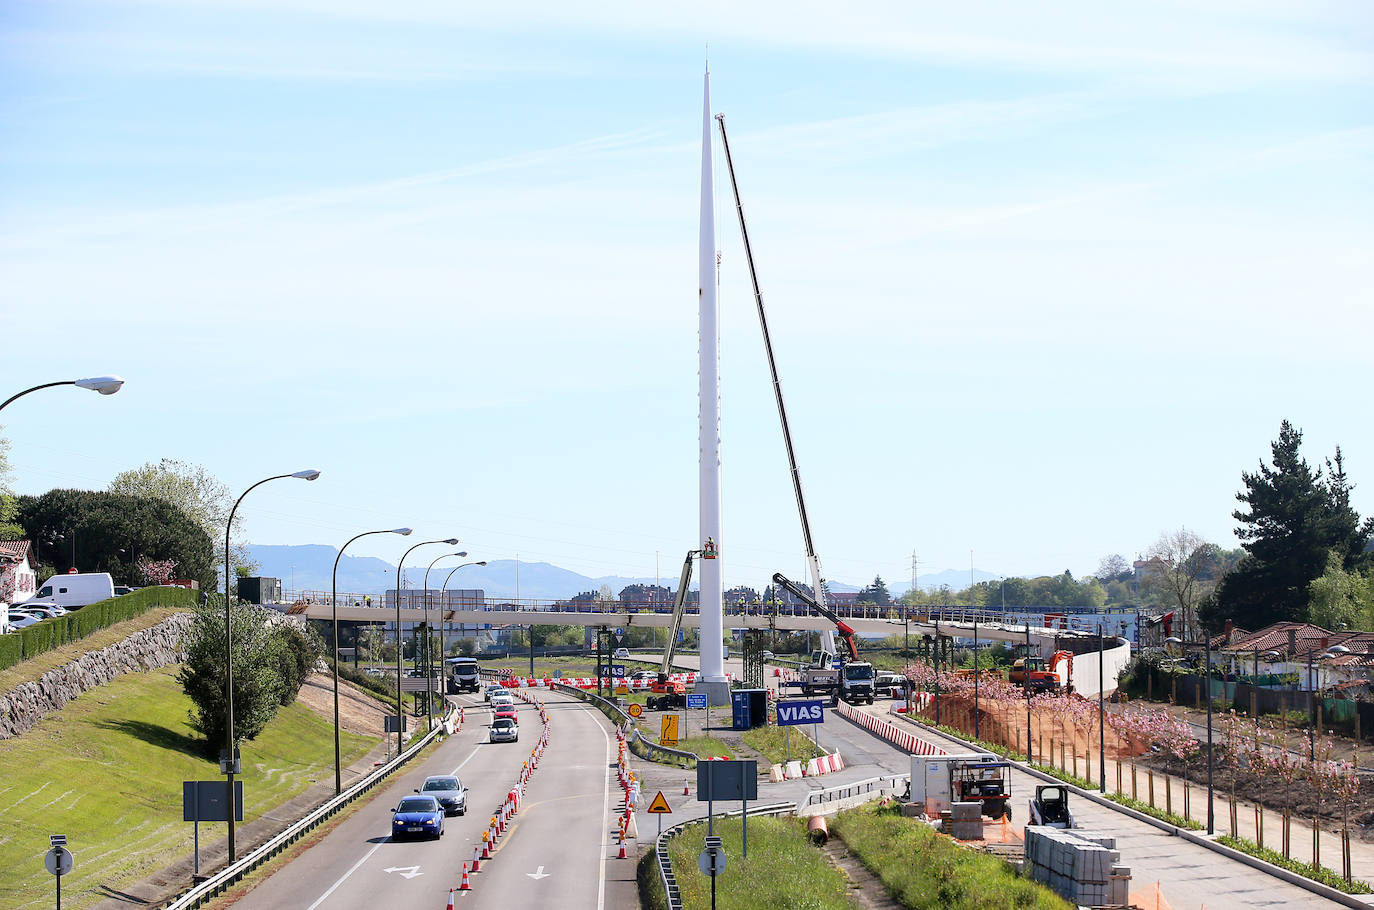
(812, 560)
(679, 606)
(841, 626)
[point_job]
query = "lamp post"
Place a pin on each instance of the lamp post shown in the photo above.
(105, 385)
(429, 669)
(442, 621)
(1101, 711)
(334, 610)
(1207, 676)
(400, 644)
(229, 764)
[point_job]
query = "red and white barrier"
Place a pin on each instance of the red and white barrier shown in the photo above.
(589, 682)
(903, 739)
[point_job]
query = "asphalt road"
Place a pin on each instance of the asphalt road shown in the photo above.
(1190, 876)
(553, 855)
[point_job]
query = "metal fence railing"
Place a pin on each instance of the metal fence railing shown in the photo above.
(890, 784)
(647, 748)
(665, 864)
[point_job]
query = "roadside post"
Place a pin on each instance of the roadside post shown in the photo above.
(732, 780)
(58, 861)
(208, 801)
(712, 862)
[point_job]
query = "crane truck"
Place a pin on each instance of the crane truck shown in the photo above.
(852, 680)
(665, 694)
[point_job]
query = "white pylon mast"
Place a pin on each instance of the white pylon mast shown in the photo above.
(708, 430)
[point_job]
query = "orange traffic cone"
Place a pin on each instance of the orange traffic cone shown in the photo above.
(450, 900)
(622, 847)
(685, 790)
(476, 865)
(464, 886)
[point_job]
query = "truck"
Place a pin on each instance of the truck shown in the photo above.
(463, 675)
(72, 591)
(848, 678)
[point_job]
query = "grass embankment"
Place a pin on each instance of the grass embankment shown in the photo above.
(30, 670)
(773, 743)
(705, 747)
(27, 644)
(924, 870)
(783, 871)
(107, 772)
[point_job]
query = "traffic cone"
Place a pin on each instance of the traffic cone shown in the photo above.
(476, 865)
(623, 854)
(685, 791)
(486, 845)
(463, 885)
(450, 900)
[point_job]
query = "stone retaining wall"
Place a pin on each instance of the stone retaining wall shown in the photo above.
(24, 706)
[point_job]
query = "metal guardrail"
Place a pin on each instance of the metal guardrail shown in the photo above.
(218, 883)
(665, 865)
(888, 783)
(651, 749)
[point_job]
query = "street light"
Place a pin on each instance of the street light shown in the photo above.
(229, 759)
(429, 674)
(105, 385)
(442, 622)
(334, 610)
(400, 712)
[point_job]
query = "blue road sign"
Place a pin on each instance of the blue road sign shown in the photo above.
(696, 701)
(614, 671)
(791, 713)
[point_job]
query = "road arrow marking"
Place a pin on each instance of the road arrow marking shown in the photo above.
(538, 874)
(407, 871)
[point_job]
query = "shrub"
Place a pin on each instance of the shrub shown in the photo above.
(53, 633)
(11, 650)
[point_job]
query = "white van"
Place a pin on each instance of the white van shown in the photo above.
(72, 591)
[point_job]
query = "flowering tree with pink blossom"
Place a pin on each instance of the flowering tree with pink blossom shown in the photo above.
(156, 571)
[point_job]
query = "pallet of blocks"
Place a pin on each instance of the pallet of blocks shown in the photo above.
(1079, 866)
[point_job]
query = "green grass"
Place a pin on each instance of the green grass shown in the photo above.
(107, 772)
(1307, 870)
(783, 871)
(771, 742)
(922, 870)
(704, 746)
(33, 668)
(1178, 821)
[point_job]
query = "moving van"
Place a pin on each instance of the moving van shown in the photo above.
(73, 591)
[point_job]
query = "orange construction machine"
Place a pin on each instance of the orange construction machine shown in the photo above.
(1041, 675)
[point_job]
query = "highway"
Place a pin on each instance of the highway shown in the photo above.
(552, 855)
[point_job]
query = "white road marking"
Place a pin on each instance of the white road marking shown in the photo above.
(605, 810)
(406, 871)
(343, 878)
(463, 762)
(538, 874)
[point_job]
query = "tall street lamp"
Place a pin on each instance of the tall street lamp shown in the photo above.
(230, 762)
(429, 672)
(400, 711)
(334, 610)
(105, 385)
(442, 621)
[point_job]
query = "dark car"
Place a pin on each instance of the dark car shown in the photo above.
(449, 791)
(417, 815)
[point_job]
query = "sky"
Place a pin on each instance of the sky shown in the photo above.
(1042, 279)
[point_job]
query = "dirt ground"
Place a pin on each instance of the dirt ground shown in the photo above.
(358, 713)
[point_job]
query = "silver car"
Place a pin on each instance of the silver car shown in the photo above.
(504, 730)
(449, 791)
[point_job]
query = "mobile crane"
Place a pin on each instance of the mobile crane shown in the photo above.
(853, 680)
(666, 693)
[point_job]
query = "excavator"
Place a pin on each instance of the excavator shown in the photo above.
(853, 680)
(665, 693)
(1031, 671)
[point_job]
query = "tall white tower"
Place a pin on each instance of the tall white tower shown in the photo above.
(712, 679)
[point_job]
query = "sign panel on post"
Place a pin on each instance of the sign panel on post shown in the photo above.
(612, 671)
(727, 780)
(792, 713)
(208, 801)
(58, 860)
(668, 736)
(696, 701)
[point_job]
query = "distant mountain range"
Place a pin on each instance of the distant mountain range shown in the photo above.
(308, 567)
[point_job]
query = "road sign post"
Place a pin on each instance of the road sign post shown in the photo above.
(660, 808)
(668, 735)
(58, 861)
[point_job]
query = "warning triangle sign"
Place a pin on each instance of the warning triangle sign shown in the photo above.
(660, 805)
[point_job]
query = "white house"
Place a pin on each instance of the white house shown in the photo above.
(18, 580)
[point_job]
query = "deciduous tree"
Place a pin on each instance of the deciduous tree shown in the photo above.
(1178, 562)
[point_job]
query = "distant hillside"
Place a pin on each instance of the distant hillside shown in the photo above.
(311, 564)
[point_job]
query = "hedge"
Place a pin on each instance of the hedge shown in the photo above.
(53, 633)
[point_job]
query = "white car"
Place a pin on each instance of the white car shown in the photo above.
(621, 654)
(42, 612)
(504, 730)
(18, 619)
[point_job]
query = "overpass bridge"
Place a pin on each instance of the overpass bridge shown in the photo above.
(867, 622)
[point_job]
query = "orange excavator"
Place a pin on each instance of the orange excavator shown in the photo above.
(1041, 675)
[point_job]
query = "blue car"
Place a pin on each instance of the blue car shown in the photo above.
(417, 816)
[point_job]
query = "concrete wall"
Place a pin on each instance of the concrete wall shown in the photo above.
(1113, 660)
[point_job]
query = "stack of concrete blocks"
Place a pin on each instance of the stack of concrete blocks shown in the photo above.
(1080, 867)
(966, 821)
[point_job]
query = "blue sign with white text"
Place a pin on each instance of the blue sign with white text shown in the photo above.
(791, 713)
(696, 701)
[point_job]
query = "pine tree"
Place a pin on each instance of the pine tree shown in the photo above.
(1294, 517)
